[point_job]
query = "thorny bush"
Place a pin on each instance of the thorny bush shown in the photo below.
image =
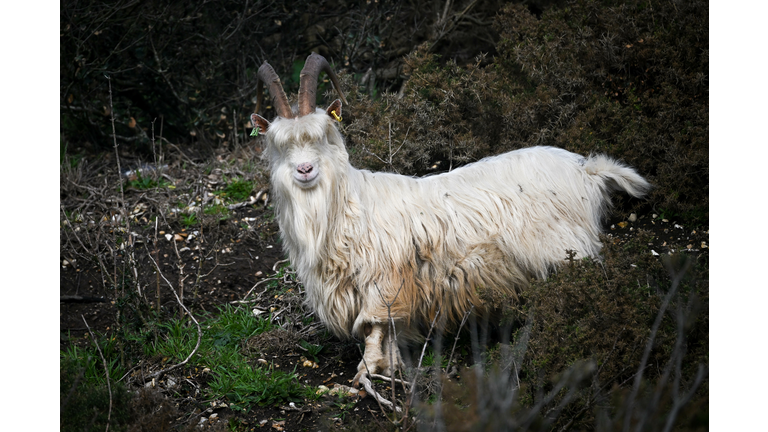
(628, 79)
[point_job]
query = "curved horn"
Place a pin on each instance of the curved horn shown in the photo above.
(279, 100)
(308, 82)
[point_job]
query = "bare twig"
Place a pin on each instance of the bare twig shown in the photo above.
(676, 279)
(199, 330)
(274, 267)
(253, 288)
(117, 155)
(463, 321)
(157, 251)
(409, 401)
(106, 370)
(182, 278)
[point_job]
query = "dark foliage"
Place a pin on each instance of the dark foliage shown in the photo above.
(625, 79)
(599, 346)
(190, 68)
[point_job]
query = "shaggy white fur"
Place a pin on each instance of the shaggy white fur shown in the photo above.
(447, 242)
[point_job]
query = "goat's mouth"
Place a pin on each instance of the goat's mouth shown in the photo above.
(306, 181)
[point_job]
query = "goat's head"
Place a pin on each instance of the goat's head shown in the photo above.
(302, 144)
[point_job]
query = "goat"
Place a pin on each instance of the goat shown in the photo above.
(371, 246)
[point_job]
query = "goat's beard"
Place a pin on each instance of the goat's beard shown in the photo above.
(304, 216)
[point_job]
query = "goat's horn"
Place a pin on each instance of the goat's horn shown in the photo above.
(308, 82)
(279, 99)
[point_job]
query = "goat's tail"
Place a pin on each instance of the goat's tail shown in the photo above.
(617, 176)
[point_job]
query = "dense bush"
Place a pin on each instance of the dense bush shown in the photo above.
(599, 346)
(626, 79)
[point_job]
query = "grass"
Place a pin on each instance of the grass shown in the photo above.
(189, 219)
(312, 349)
(238, 190)
(147, 182)
(233, 378)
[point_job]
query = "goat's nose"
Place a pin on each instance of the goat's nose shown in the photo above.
(304, 168)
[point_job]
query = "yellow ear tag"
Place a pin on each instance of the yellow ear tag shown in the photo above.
(255, 131)
(338, 119)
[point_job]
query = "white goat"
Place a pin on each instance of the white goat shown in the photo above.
(359, 240)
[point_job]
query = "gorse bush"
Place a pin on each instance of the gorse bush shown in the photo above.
(598, 346)
(626, 79)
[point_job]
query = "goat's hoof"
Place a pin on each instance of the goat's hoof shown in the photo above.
(361, 375)
(364, 379)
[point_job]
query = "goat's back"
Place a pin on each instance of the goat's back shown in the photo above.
(533, 203)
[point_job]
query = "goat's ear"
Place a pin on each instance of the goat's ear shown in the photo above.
(334, 111)
(260, 124)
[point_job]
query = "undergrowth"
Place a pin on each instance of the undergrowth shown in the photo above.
(233, 376)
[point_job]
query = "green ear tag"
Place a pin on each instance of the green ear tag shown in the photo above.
(255, 131)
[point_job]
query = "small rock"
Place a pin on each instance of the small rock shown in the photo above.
(263, 422)
(64, 262)
(321, 389)
(632, 217)
(343, 390)
(690, 246)
(654, 253)
(704, 245)
(213, 416)
(258, 274)
(168, 237)
(262, 361)
(655, 215)
(184, 249)
(664, 220)
(310, 364)
(178, 237)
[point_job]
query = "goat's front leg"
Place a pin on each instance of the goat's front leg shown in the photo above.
(381, 352)
(373, 358)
